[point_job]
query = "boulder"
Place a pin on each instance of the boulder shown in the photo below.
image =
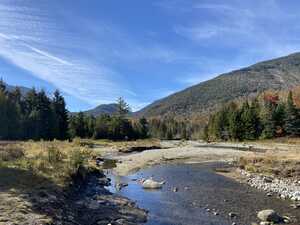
(152, 184)
(269, 215)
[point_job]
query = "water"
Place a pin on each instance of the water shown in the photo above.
(199, 189)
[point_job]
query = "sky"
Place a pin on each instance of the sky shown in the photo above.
(98, 50)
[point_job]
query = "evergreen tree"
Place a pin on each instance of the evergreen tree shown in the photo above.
(250, 122)
(292, 117)
(234, 122)
(61, 116)
(3, 87)
(268, 122)
(122, 108)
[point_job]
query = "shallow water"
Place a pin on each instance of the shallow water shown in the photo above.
(199, 189)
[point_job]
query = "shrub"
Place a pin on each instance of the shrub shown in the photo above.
(11, 153)
(54, 155)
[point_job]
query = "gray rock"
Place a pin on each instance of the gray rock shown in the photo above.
(269, 215)
(232, 214)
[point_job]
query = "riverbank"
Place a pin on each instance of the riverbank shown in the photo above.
(188, 151)
(272, 167)
(197, 194)
(53, 183)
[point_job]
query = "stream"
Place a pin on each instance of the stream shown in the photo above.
(200, 197)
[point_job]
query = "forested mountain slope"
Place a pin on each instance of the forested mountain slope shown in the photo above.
(278, 74)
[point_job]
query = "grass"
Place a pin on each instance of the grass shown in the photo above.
(273, 162)
(34, 173)
(56, 160)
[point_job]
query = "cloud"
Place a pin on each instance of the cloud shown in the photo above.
(244, 26)
(45, 52)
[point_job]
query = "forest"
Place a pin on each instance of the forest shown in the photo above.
(264, 118)
(36, 116)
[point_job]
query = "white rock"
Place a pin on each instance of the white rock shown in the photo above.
(152, 184)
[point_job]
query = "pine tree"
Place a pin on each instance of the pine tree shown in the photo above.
(3, 87)
(292, 118)
(122, 108)
(234, 122)
(61, 116)
(268, 122)
(250, 122)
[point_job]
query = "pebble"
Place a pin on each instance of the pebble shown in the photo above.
(231, 214)
(285, 188)
(269, 215)
(175, 189)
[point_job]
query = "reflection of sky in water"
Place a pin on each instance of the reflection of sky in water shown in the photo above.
(205, 190)
(165, 206)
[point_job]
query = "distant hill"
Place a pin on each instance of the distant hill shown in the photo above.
(24, 90)
(278, 74)
(102, 109)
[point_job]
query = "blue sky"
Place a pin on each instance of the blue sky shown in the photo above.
(95, 51)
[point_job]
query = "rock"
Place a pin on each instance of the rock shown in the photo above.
(175, 189)
(120, 186)
(152, 184)
(232, 214)
(295, 206)
(268, 179)
(269, 215)
(286, 219)
(265, 223)
(216, 213)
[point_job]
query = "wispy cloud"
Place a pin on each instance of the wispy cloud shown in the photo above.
(243, 25)
(85, 79)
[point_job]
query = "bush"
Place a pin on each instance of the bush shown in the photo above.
(54, 155)
(11, 153)
(78, 157)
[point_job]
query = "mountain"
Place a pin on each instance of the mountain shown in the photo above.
(103, 109)
(24, 90)
(278, 74)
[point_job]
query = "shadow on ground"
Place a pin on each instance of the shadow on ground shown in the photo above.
(29, 198)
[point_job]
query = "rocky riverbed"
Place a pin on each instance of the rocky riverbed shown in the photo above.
(93, 204)
(86, 202)
(285, 188)
(196, 194)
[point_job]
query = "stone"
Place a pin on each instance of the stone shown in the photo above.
(269, 215)
(232, 214)
(152, 184)
(175, 189)
(265, 223)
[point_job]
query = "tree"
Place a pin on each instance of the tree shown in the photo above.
(250, 121)
(122, 108)
(61, 116)
(3, 86)
(292, 117)
(234, 122)
(267, 118)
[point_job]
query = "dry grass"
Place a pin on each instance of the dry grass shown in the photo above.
(56, 160)
(34, 177)
(278, 163)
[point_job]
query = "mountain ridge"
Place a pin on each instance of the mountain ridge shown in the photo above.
(278, 74)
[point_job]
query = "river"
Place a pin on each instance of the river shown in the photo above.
(203, 197)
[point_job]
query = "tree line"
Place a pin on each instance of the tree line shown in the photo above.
(33, 116)
(114, 127)
(256, 119)
(37, 116)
